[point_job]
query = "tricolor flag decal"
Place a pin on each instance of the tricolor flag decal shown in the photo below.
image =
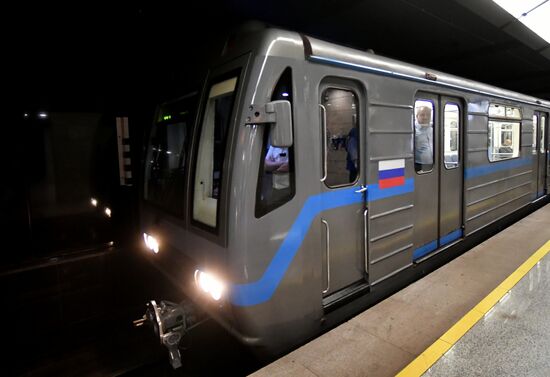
(391, 173)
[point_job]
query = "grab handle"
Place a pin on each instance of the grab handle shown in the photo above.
(328, 254)
(324, 141)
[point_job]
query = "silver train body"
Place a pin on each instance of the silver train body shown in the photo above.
(277, 272)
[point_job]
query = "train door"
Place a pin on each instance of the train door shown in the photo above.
(342, 198)
(545, 121)
(439, 172)
(540, 150)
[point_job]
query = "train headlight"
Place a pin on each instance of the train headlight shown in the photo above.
(209, 284)
(151, 243)
(108, 212)
(93, 202)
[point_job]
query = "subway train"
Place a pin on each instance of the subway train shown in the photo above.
(306, 181)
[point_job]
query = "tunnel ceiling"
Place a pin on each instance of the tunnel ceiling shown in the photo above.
(145, 52)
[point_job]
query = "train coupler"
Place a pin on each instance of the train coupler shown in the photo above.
(171, 322)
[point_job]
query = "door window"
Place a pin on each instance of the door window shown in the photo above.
(535, 127)
(451, 135)
(504, 130)
(542, 129)
(423, 136)
(211, 151)
(342, 136)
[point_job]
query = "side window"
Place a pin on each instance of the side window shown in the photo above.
(342, 136)
(276, 180)
(211, 151)
(535, 127)
(504, 132)
(543, 121)
(166, 163)
(451, 135)
(423, 136)
(542, 130)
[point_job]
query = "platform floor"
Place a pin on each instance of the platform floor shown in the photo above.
(511, 339)
(397, 332)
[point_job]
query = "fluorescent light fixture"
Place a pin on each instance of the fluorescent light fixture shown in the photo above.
(285, 94)
(538, 21)
(518, 8)
(535, 14)
(42, 115)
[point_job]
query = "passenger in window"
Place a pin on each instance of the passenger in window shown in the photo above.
(352, 158)
(506, 147)
(276, 162)
(423, 137)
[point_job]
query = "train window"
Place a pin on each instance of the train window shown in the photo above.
(535, 127)
(342, 136)
(165, 166)
(542, 128)
(211, 151)
(451, 135)
(503, 140)
(276, 181)
(503, 132)
(424, 136)
(502, 111)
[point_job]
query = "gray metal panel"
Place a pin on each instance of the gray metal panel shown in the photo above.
(345, 250)
(391, 225)
(390, 136)
(492, 196)
(500, 182)
(389, 129)
(476, 135)
(493, 209)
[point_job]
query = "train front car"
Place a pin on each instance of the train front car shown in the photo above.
(258, 209)
(219, 200)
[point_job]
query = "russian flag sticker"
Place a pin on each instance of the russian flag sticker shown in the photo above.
(391, 173)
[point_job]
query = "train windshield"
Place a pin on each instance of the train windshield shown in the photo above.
(211, 151)
(166, 161)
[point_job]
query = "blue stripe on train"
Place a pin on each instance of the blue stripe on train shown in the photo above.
(391, 173)
(429, 247)
(424, 249)
(262, 289)
(450, 237)
(494, 167)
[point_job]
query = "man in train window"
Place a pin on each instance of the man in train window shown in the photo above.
(276, 162)
(423, 138)
(506, 148)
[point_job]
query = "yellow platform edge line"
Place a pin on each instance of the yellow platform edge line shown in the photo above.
(429, 357)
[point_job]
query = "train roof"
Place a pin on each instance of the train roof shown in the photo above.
(329, 53)
(279, 42)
